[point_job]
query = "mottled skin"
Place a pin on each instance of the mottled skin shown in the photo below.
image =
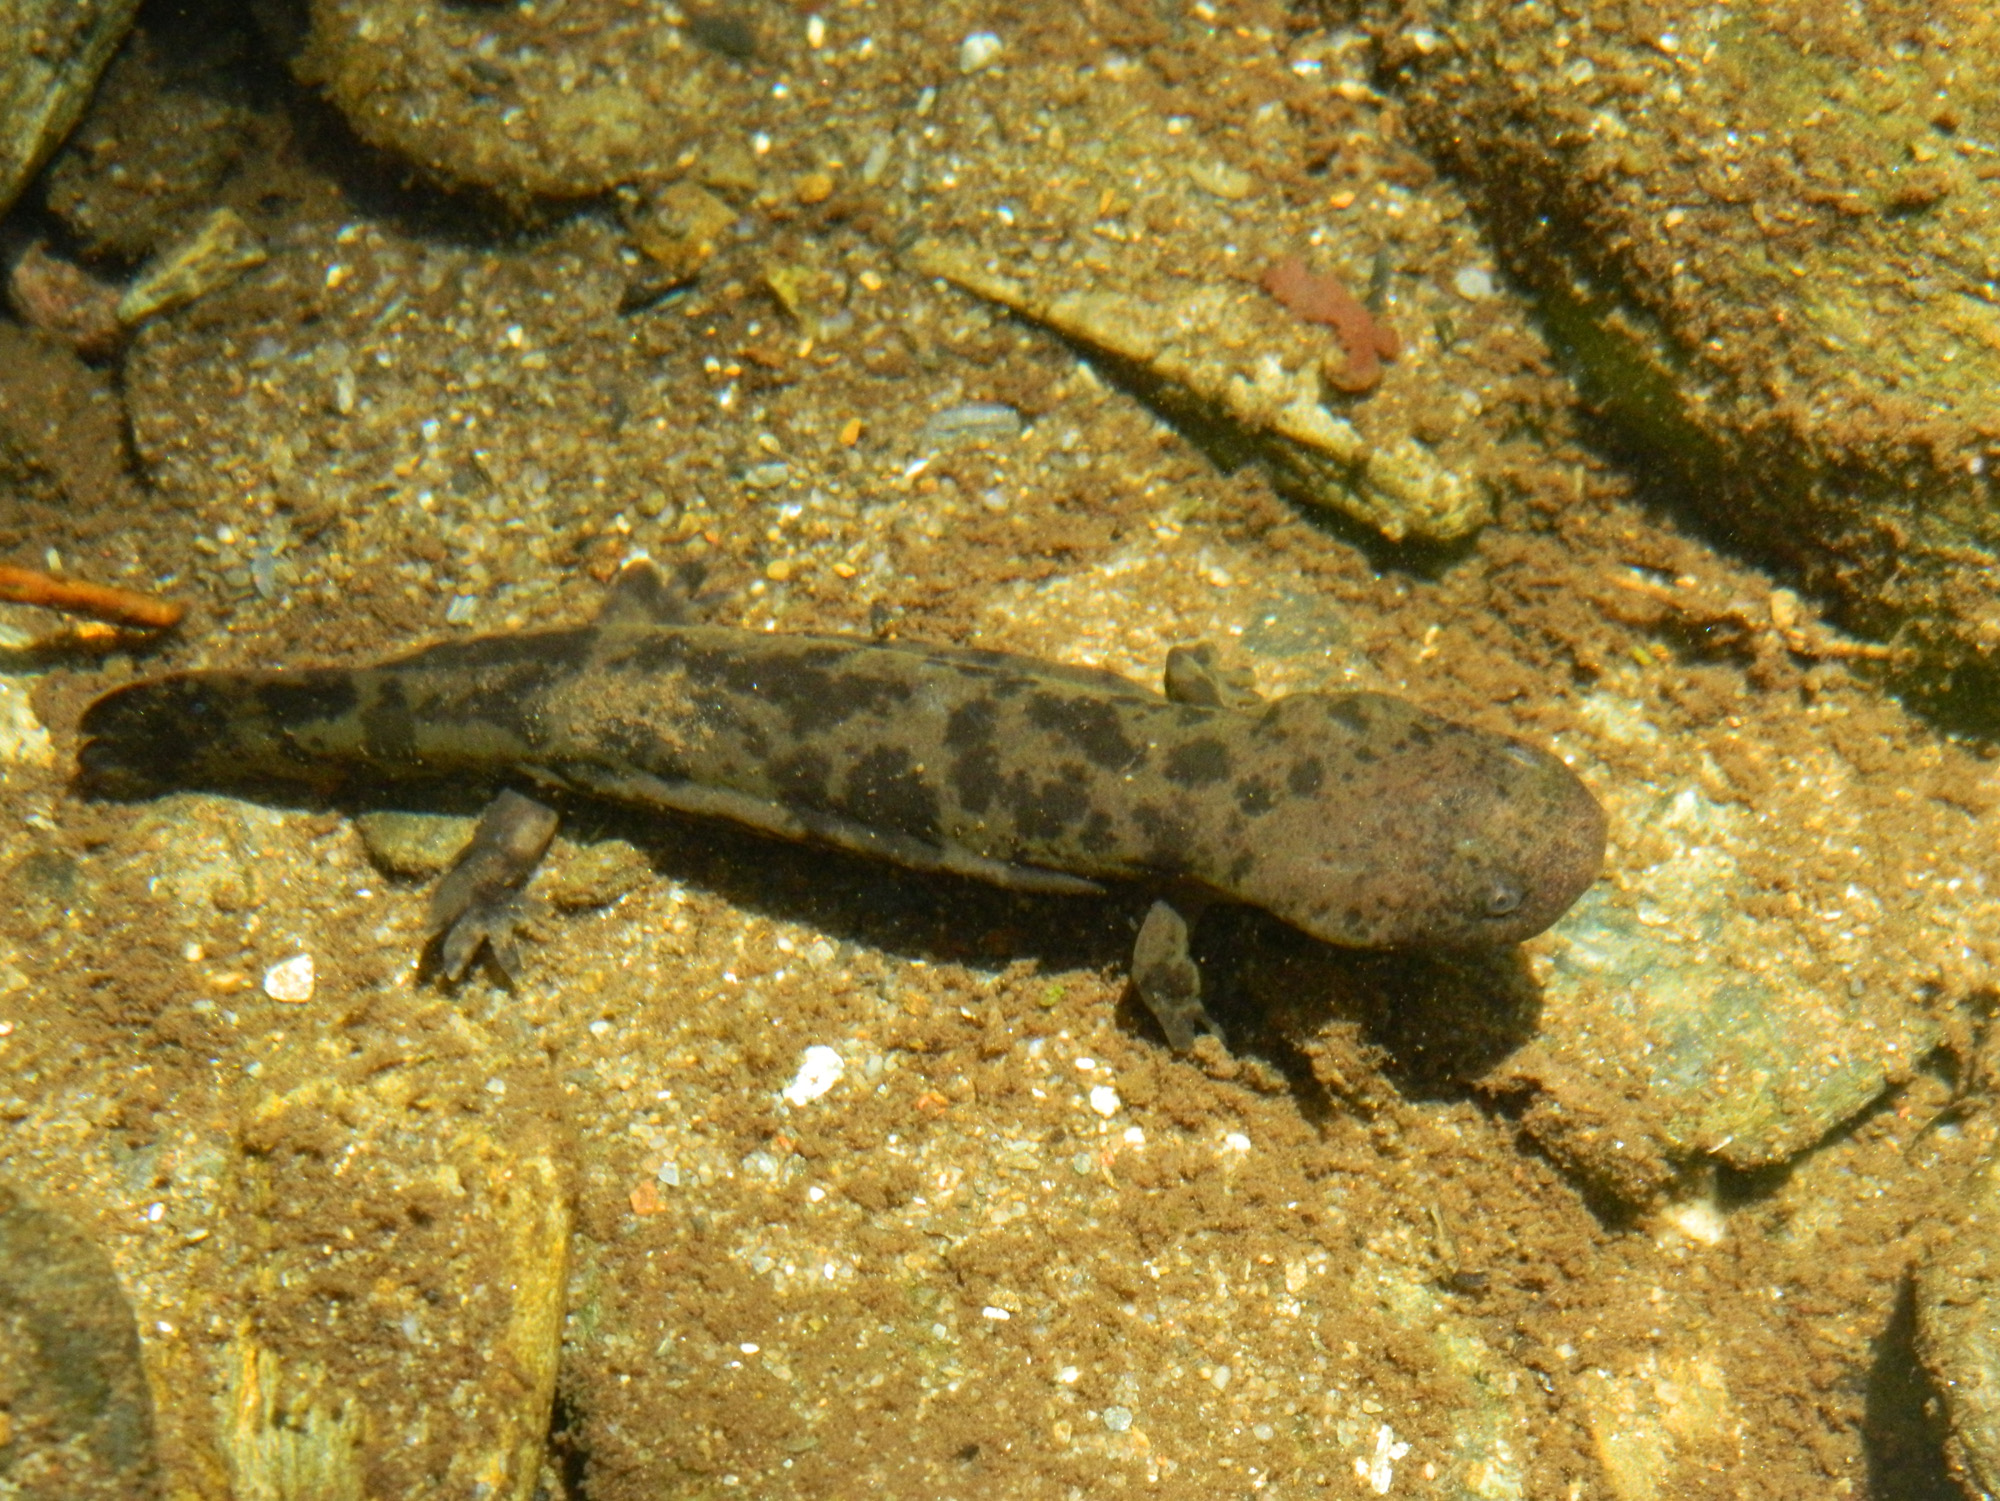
(1356, 817)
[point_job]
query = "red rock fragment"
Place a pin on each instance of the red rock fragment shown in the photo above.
(62, 298)
(1365, 339)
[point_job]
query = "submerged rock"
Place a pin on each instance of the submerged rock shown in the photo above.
(44, 87)
(521, 104)
(78, 1420)
(1765, 238)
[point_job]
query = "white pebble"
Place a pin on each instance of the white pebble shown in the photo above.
(1236, 1141)
(291, 980)
(819, 1071)
(1104, 1100)
(23, 741)
(998, 1315)
(1474, 283)
(978, 50)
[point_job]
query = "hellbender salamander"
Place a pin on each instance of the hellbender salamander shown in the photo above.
(1356, 817)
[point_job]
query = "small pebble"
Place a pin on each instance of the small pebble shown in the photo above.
(970, 422)
(819, 1071)
(1221, 180)
(290, 980)
(766, 476)
(412, 844)
(1104, 1100)
(979, 50)
(1118, 1419)
(1474, 283)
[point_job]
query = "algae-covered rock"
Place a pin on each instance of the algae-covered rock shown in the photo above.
(424, 1206)
(1153, 241)
(51, 53)
(1768, 241)
(521, 103)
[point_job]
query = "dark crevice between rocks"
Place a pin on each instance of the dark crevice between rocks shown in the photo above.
(1903, 1423)
(568, 1455)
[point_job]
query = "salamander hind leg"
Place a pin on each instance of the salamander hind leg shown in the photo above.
(478, 903)
(1168, 980)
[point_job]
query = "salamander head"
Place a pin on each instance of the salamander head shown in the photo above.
(1403, 830)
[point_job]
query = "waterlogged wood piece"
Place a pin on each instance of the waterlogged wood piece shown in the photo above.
(1210, 351)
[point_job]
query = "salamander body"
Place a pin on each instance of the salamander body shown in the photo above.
(1358, 818)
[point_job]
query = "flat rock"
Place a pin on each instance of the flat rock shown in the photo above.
(1776, 278)
(79, 1417)
(522, 103)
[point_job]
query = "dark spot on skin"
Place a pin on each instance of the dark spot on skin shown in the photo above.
(739, 721)
(308, 698)
(555, 649)
(1196, 763)
(1045, 811)
(971, 723)
(1306, 777)
(849, 694)
(974, 779)
(1256, 797)
(1092, 725)
(388, 730)
(659, 651)
(1169, 836)
(1241, 867)
(1420, 736)
(1346, 712)
(802, 777)
(887, 791)
(1355, 924)
(808, 685)
(637, 743)
(1364, 755)
(1099, 833)
(508, 699)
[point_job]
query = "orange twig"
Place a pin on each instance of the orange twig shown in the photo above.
(98, 601)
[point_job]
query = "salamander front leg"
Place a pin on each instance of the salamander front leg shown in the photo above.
(1167, 979)
(478, 902)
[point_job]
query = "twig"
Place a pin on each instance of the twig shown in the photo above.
(98, 601)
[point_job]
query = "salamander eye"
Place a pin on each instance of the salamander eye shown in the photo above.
(1504, 897)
